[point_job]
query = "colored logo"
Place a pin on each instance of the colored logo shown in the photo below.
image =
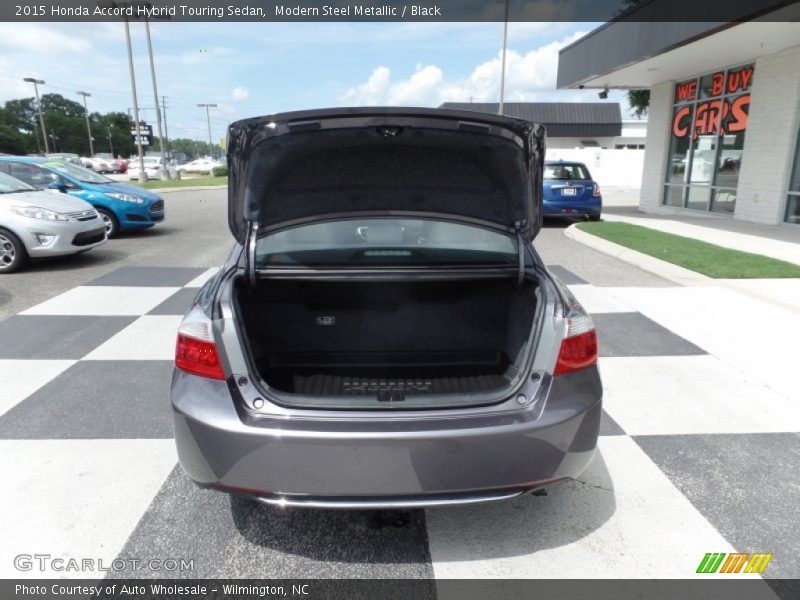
(736, 562)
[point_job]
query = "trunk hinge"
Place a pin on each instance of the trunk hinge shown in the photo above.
(250, 253)
(521, 228)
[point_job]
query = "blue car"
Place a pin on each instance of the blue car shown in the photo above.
(122, 206)
(569, 191)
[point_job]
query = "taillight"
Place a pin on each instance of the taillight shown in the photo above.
(577, 353)
(579, 346)
(596, 190)
(195, 350)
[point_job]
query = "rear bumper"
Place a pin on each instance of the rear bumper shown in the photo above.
(379, 462)
(572, 208)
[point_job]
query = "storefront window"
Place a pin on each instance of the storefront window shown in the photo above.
(709, 121)
(793, 201)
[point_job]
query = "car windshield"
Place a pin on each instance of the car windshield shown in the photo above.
(565, 172)
(76, 172)
(9, 185)
(385, 242)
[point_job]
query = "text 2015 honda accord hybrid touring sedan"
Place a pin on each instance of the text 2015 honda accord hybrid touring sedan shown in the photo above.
(383, 333)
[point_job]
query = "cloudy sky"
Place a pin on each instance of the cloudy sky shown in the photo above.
(259, 68)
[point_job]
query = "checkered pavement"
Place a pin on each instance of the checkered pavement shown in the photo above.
(699, 451)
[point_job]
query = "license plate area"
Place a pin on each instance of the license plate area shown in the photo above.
(569, 191)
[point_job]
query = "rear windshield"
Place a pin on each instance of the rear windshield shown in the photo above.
(385, 242)
(565, 172)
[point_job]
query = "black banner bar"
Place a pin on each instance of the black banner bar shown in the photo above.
(711, 587)
(333, 11)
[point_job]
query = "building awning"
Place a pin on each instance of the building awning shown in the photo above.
(629, 53)
(561, 119)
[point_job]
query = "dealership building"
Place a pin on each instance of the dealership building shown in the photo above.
(723, 132)
(572, 124)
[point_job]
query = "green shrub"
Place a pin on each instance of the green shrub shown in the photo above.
(220, 171)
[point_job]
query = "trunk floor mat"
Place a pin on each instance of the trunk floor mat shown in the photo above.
(392, 388)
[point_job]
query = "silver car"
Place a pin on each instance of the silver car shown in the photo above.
(38, 223)
(383, 333)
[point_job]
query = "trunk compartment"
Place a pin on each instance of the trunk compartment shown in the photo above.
(355, 344)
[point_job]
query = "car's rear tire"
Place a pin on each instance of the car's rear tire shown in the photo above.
(13, 255)
(109, 222)
(594, 217)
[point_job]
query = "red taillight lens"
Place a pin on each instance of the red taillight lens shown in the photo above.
(195, 351)
(596, 191)
(198, 357)
(579, 346)
(577, 353)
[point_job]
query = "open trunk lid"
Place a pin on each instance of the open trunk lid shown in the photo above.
(291, 168)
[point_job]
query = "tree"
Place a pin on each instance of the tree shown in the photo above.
(639, 101)
(12, 139)
(119, 125)
(194, 148)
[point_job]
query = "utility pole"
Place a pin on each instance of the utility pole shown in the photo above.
(163, 167)
(36, 136)
(503, 66)
(208, 119)
(164, 113)
(110, 141)
(88, 125)
(142, 177)
(36, 83)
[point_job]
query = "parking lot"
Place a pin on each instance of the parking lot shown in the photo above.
(699, 449)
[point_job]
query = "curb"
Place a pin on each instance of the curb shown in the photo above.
(646, 262)
(185, 189)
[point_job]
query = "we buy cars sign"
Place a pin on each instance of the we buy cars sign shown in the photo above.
(143, 136)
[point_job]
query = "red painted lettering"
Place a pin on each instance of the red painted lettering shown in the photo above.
(718, 84)
(739, 114)
(679, 125)
(687, 91)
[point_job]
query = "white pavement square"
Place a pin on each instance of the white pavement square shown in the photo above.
(691, 395)
(754, 337)
(595, 300)
(198, 281)
(103, 301)
(151, 337)
(76, 498)
(20, 378)
(623, 519)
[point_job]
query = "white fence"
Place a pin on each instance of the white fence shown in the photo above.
(611, 168)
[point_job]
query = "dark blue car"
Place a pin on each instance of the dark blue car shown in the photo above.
(122, 206)
(569, 191)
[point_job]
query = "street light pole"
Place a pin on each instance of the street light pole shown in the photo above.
(88, 125)
(503, 65)
(142, 173)
(163, 169)
(208, 120)
(166, 129)
(110, 141)
(36, 83)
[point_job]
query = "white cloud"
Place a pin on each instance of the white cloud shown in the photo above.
(38, 39)
(240, 93)
(529, 77)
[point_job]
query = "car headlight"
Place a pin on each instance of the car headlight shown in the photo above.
(126, 197)
(37, 212)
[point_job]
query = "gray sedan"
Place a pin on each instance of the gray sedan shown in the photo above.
(383, 333)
